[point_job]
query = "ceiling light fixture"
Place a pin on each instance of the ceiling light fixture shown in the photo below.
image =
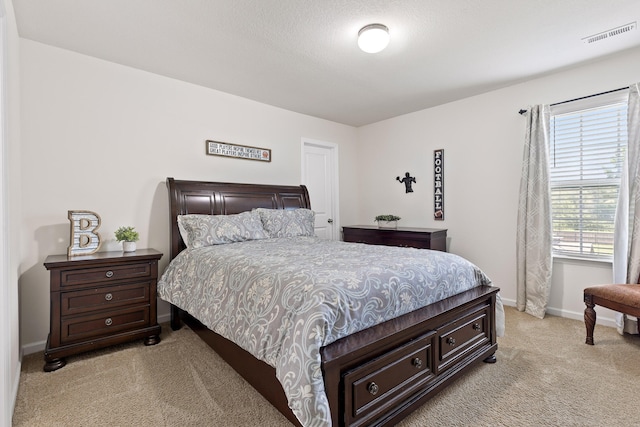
(373, 38)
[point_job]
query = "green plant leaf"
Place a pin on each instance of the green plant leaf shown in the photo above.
(126, 234)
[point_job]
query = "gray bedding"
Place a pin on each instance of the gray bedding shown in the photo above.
(281, 299)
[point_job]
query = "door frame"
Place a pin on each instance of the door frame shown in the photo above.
(335, 177)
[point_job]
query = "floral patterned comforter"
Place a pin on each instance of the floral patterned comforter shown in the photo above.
(281, 299)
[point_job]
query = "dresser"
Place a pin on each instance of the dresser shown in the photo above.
(422, 238)
(100, 300)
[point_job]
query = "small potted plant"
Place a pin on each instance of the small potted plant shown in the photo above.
(387, 221)
(128, 236)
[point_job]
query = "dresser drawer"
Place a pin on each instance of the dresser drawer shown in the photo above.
(102, 298)
(80, 328)
(421, 238)
(373, 387)
(459, 338)
(408, 243)
(104, 274)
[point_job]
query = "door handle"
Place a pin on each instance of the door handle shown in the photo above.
(330, 221)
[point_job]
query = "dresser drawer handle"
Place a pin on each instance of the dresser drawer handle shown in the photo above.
(109, 273)
(108, 296)
(373, 388)
(108, 321)
(451, 341)
(476, 326)
(417, 362)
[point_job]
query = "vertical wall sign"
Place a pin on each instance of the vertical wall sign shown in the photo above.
(84, 238)
(438, 184)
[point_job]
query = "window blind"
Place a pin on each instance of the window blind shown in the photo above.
(587, 148)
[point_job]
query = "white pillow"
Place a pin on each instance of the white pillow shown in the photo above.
(287, 223)
(198, 231)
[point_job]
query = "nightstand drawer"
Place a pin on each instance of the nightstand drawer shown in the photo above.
(81, 328)
(95, 299)
(371, 388)
(463, 336)
(86, 276)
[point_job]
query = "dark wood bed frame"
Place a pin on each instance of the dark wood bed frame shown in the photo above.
(374, 377)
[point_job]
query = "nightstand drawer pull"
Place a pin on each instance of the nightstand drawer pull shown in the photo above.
(108, 296)
(109, 273)
(108, 321)
(373, 388)
(417, 362)
(451, 341)
(476, 326)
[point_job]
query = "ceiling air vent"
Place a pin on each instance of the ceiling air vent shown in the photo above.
(610, 33)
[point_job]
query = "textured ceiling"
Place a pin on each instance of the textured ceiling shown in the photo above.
(302, 55)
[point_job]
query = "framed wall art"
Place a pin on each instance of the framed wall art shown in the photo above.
(225, 149)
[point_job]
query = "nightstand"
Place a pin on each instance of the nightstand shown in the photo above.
(100, 300)
(421, 238)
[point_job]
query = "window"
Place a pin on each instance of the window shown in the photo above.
(588, 139)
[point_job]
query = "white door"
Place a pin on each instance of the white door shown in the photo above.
(319, 174)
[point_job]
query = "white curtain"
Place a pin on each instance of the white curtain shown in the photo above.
(533, 250)
(626, 250)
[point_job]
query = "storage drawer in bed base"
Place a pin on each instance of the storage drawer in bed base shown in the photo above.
(387, 379)
(379, 379)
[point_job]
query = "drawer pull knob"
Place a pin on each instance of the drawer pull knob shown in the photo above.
(373, 388)
(109, 273)
(108, 321)
(108, 296)
(476, 326)
(451, 341)
(417, 362)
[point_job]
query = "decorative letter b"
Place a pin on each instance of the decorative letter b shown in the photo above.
(84, 239)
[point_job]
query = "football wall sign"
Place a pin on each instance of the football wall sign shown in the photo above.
(438, 185)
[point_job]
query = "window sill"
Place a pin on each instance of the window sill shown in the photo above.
(568, 258)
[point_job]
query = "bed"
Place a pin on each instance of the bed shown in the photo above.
(373, 369)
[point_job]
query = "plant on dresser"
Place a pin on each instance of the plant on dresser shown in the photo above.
(387, 221)
(100, 300)
(128, 236)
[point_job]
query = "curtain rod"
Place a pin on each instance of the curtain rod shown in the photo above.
(582, 97)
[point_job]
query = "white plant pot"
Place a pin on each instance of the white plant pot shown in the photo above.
(387, 224)
(129, 246)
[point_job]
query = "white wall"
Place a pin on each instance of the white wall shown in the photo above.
(10, 347)
(104, 137)
(482, 138)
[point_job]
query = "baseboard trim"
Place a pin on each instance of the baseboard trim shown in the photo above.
(14, 391)
(34, 347)
(600, 320)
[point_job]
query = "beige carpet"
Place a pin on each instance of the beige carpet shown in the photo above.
(545, 376)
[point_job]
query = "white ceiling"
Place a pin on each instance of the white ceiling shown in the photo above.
(302, 55)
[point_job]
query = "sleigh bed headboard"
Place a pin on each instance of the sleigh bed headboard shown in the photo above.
(223, 198)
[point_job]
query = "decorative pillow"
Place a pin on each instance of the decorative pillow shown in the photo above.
(206, 230)
(287, 223)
